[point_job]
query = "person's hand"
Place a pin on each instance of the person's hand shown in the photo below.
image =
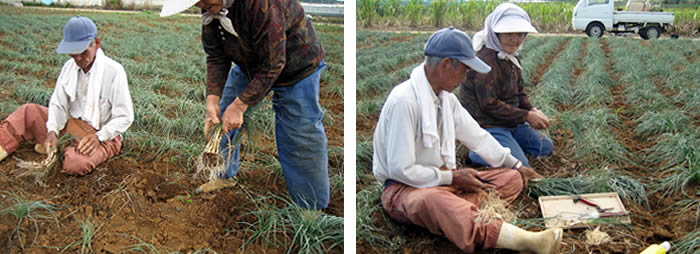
(537, 119)
(528, 173)
(50, 142)
(88, 144)
(233, 116)
(465, 179)
(211, 117)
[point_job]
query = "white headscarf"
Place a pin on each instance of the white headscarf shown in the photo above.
(488, 37)
(221, 16)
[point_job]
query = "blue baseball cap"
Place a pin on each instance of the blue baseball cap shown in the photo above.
(77, 34)
(454, 44)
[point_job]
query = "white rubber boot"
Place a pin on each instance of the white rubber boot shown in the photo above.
(3, 153)
(218, 184)
(515, 238)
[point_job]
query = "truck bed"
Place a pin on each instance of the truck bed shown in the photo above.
(643, 17)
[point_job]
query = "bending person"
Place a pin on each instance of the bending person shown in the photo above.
(275, 48)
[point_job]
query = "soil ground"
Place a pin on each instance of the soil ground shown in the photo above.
(131, 198)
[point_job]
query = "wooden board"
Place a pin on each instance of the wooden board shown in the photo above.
(561, 211)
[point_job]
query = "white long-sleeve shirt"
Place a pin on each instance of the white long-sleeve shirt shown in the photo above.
(399, 153)
(116, 108)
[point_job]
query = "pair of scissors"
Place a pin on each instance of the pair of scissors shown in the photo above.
(482, 179)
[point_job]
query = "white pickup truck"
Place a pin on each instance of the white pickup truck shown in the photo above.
(597, 16)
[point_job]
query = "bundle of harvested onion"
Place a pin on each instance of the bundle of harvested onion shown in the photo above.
(211, 156)
(211, 163)
(39, 170)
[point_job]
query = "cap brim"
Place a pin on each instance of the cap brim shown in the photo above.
(72, 47)
(171, 7)
(476, 64)
(513, 24)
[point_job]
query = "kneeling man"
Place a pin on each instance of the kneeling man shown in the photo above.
(91, 102)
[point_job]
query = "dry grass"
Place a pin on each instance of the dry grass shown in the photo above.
(493, 208)
(595, 237)
(122, 195)
(38, 170)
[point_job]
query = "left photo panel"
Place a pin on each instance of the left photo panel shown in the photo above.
(173, 126)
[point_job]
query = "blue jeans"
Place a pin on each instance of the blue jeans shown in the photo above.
(521, 139)
(301, 140)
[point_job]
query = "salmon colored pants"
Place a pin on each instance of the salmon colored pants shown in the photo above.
(28, 122)
(445, 210)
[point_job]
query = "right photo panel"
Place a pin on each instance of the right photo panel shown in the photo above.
(536, 126)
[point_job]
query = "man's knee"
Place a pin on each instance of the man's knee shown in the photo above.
(29, 108)
(76, 165)
(547, 147)
(514, 181)
(76, 168)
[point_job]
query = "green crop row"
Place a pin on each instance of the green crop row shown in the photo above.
(554, 87)
(674, 152)
(532, 59)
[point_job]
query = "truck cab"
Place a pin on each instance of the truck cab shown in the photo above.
(597, 16)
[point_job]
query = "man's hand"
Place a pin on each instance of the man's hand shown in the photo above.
(537, 119)
(50, 142)
(233, 116)
(211, 117)
(88, 144)
(528, 173)
(465, 179)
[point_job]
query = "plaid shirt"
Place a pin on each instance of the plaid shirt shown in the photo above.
(497, 98)
(277, 46)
